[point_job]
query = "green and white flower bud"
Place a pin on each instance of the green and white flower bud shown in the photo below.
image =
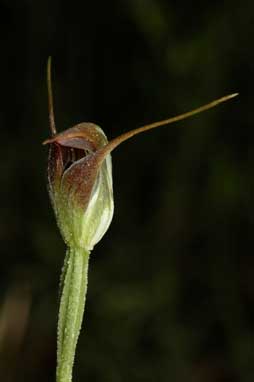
(80, 184)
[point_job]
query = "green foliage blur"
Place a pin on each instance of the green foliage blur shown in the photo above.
(171, 285)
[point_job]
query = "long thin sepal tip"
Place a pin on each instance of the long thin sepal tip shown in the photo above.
(50, 99)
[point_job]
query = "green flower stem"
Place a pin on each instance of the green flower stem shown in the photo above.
(72, 304)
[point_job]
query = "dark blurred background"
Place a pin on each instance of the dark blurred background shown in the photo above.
(171, 287)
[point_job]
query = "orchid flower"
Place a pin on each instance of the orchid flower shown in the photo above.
(81, 193)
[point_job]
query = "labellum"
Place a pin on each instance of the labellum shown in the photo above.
(80, 189)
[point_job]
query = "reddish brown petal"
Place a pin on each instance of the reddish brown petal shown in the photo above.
(79, 179)
(86, 136)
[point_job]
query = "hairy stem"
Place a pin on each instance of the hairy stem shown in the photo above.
(72, 304)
